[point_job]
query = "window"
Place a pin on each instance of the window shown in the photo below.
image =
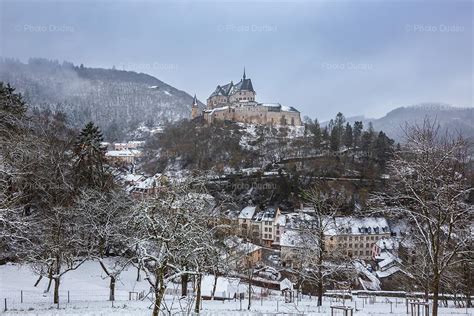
(270, 229)
(367, 252)
(350, 245)
(356, 238)
(356, 245)
(367, 245)
(266, 229)
(350, 238)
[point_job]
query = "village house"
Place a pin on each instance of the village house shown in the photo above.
(122, 157)
(129, 145)
(259, 224)
(249, 253)
(355, 236)
(236, 102)
(147, 187)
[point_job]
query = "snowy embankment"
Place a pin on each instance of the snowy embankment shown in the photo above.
(88, 295)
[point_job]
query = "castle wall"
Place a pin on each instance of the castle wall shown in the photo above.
(242, 95)
(254, 115)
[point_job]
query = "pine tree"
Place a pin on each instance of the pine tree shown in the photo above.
(12, 111)
(348, 137)
(90, 159)
(317, 136)
(357, 133)
(335, 140)
(383, 149)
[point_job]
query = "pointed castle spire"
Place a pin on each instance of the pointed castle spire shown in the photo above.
(244, 73)
(195, 101)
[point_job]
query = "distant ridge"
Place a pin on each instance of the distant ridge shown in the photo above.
(452, 118)
(114, 99)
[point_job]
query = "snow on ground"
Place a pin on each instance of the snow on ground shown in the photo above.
(89, 293)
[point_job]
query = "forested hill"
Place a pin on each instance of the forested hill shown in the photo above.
(116, 100)
(454, 119)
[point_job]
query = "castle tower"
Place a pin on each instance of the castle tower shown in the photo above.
(194, 108)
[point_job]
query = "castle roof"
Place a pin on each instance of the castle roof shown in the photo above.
(277, 107)
(228, 89)
(244, 84)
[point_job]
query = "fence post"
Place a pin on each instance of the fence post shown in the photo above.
(68, 297)
(6, 305)
(21, 296)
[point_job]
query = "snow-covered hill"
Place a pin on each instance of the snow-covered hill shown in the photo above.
(455, 119)
(114, 99)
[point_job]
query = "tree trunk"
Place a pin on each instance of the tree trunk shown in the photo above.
(56, 290)
(320, 271)
(250, 292)
(57, 280)
(138, 272)
(197, 307)
(436, 280)
(112, 288)
(214, 286)
(184, 285)
(50, 277)
(159, 291)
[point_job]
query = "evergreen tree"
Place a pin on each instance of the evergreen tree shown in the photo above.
(348, 137)
(383, 149)
(12, 111)
(316, 131)
(367, 141)
(325, 136)
(357, 133)
(90, 168)
(335, 140)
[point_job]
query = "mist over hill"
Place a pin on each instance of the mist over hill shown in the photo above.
(116, 100)
(451, 118)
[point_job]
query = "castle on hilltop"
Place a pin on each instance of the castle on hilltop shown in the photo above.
(236, 102)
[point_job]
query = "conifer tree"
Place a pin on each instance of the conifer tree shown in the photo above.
(348, 137)
(90, 168)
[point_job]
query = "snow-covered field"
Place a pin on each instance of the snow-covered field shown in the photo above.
(88, 295)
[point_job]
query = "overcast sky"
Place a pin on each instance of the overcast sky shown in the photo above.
(357, 57)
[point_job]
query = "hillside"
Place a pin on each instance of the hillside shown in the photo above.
(114, 99)
(454, 119)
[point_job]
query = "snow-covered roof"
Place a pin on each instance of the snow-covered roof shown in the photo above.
(286, 284)
(291, 238)
(247, 212)
(279, 107)
(268, 214)
(132, 177)
(386, 260)
(120, 153)
(222, 108)
(294, 220)
(239, 245)
(358, 225)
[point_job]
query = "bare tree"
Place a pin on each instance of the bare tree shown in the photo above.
(315, 262)
(430, 189)
(168, 230)
(103, 217)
